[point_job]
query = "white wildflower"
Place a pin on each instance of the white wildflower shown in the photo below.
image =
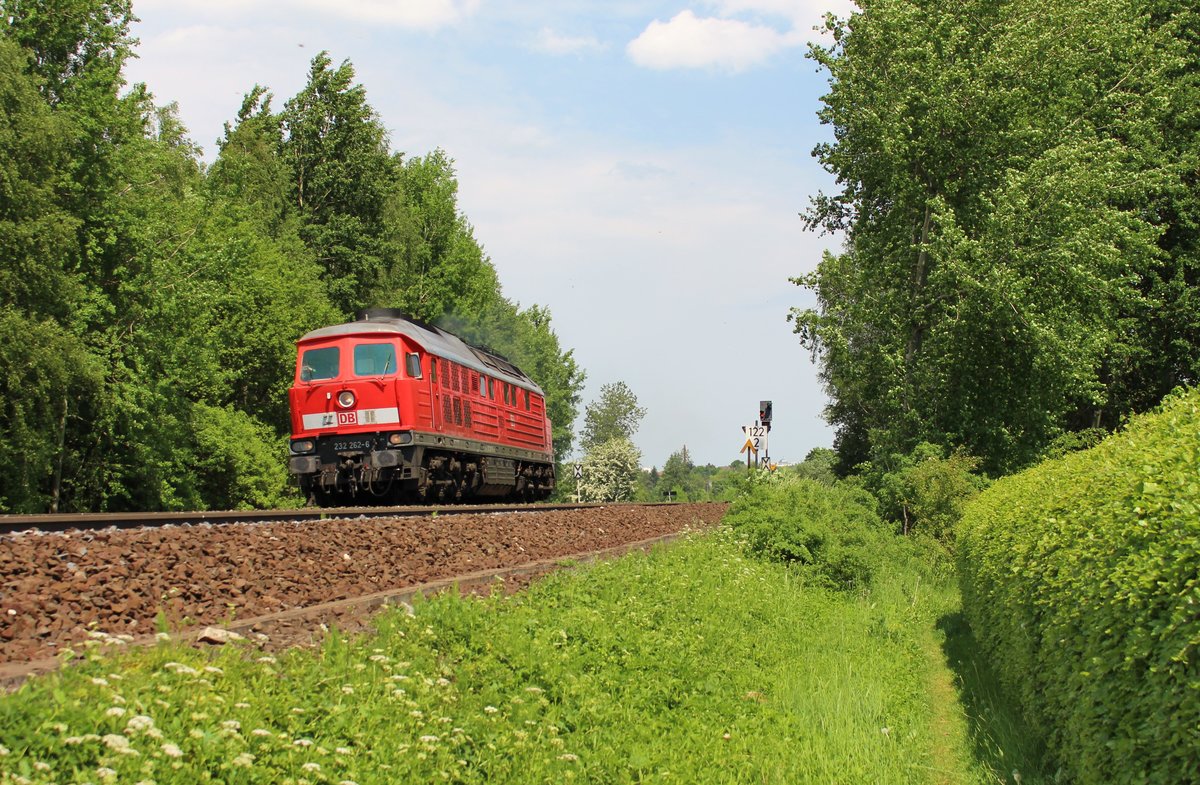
(490, 709)
(100, 681)
(260, 732)
(268, 659)
(347, 689)
(568, 756)
(39, 765)
(138, 723)
(303, 742)
(429, 739)
(180, 668)
(172, 751)
(213, 669)
(231, 725)
(105, 773)
(162, 636)
(344, 751)
(443, 682)
(241, 705)
(115, 741)
(416, 713)
(378, 658)
(245, 760)
(347, 782)
(310, 766)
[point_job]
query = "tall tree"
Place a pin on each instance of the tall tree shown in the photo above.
(614, 415)
(437, 266)
(1002, 167)
(677, 473)
(343, 178)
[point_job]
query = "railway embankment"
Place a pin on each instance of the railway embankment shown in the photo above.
(58, 589)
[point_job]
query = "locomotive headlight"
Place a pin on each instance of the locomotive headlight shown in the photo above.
(345, 399)
(302, 446)
(396, 439)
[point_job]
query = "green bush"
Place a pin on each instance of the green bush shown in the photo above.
(239, 463)
(924, 491)
(833, 533)
(1080, 581)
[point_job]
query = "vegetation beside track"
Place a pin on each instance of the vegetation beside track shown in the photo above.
(695, 663)
(1079, 576)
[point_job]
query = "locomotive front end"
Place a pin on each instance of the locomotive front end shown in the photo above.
(349, 434)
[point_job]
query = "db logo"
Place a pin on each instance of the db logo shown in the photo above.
(347, 418)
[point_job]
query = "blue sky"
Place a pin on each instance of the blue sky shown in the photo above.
(636, 167)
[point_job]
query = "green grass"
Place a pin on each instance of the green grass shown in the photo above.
(691, 664)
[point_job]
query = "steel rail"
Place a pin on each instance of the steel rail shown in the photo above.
(92, 521)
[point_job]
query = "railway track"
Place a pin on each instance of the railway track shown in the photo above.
(91, 521)
(284, 579)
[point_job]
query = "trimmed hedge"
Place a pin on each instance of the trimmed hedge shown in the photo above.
(1081, 579)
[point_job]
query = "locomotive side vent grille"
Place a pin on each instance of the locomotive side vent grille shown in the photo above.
(467, 413)
(458, 411)
(446, 412)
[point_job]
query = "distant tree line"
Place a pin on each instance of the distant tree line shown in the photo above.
(1020, 200)
(149, 304)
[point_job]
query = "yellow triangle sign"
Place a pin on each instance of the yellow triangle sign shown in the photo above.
(749, 445)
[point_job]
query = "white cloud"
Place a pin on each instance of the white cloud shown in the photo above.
(742, 34)
(410, 14)
(688, 41)
(550, 42)
(802, 13)
(415, 14)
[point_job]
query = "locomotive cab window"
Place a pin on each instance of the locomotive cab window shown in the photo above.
(414, 365)
(527, 400)
(316, 364)
(375, 359)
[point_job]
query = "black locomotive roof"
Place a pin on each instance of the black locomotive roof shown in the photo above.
(435, 340)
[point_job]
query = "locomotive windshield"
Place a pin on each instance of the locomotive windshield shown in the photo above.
(319, 364)
(374, 359)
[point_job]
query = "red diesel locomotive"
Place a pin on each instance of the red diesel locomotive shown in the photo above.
(386, 409)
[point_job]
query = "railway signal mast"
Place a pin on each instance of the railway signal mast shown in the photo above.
(755, 445)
